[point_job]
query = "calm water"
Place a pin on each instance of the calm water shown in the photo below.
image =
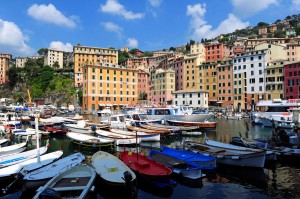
(275, 181)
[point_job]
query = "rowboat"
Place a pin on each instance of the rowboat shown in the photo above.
(30, 164)
(89, 140)
(147, 169)
(244, 158)
(2, 141)
(29, 132)
(139, 129)
(79, 127)
(120, 139)
(55, 168)
(178, 166)
(21, 157)
(112, 170)
(76, 182)
(16, 148)
(161, 128)
(200, 125)
(204, 161)
(145, 137)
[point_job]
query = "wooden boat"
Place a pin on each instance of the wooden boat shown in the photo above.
(89, 140)
(56, 131)
(120, 139)
(204, 161)
(147, 169)
(200, 125)
(112, 170)
(139, 129)
(244, 158)
(55, 168)
(80, 127)
(21, 157)
(154, 128)
(178, 166)
(181, 128)
(30, 164)
(145, 137)
(76, 182)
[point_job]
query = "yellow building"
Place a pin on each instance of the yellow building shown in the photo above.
(189, 72)
(84, 55)
(208, 81)
(112, 86)
(275, 80)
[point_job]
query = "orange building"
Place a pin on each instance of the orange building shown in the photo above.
(84, 55)
(113, 86)
(4, 65)
(225, 83)
(214, 51)
(143, 83)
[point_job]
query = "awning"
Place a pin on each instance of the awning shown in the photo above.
(109, 105)
(101, 104)
(219, 102)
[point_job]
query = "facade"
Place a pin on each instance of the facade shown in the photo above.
(4, 66)
(179, 72)
(197, 48)
(163, 86)
(189, 72)
(109, 86)
(293, 52)
(143, 83)
(191, 98)
(138, 63)
(20, 61)
(275, 80)
(84, 55)
(54, 57)
(249, 78)
(214, 51)
(292, 80)
(275, 51)
(125, 49)
(225, 83)
(208, 81)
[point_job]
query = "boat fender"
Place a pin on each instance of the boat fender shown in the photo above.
(49, 193)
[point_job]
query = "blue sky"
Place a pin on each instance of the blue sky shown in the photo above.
(28, 25)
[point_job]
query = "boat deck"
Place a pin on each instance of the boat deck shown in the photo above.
(71, 182)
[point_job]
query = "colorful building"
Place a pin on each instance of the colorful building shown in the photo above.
(112, 86)
(143, 84)
(4, 66)
(292, 80)
(54, 58)
(275, 80)
(84, 55)
(214, 51)
(225, 83)
(195, 99)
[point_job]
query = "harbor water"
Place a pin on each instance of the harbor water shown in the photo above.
(276, 180)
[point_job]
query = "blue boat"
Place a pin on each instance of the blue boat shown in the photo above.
(206, 162)
(188, 170)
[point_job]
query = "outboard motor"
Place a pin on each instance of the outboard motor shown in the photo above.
(131, 186)
(93, 128)
(49, 194)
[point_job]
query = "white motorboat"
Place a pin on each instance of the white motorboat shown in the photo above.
(120, 139)
(89, 140)
(145, 137)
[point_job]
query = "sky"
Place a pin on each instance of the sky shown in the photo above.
(29, 25)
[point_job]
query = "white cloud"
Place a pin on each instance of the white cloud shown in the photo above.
(155, 3)
(112, 27)
(58, 45)
(49, 14)
(132, 43)
(201, 29)
(12, 40)
(115, 8)
(296, 4)
(247, 8)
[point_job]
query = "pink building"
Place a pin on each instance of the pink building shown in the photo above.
(292, 80)
(214, 51)
(143, 83)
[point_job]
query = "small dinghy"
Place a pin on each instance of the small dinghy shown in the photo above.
(89, 140)
(16, 148)
(119, 138)
(77, 182)
(111, 169)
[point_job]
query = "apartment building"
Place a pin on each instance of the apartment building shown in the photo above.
(143, 83)
(214, 51)
(111, 85)
(207, 77)
(275, 51)
(163, 86)
(249, 78)
(178, 66)
(292, 80)
(189, 72)
(20, 61)
(54, 58)
(293, 52)
(225, 83)
(4, 66)
(191, 98)
(275, 80)
(85, 55)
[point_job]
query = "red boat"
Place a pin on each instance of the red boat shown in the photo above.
(154, 172)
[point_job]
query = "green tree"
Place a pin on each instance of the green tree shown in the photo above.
(279, 34)
(147, 54)
(42, 51)
(143, 96)
(172, 49)
(56, 65)
(262, 24)
(297, 29)
(13, 75)
(122, 56)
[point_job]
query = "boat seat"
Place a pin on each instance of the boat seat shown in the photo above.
(142, 163)
(69, 188)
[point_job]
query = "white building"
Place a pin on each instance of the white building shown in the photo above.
(249, 78)
(191, 98)
(54, 56)
(20, 61)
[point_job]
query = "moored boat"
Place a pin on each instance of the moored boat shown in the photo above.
(120, 139)
(145, 137)
(89, 140)
(77, 182)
